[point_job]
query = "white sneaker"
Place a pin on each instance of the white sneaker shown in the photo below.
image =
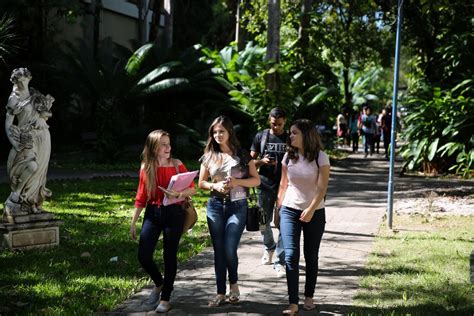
(163, 308)
(267, 257)
(280, 270)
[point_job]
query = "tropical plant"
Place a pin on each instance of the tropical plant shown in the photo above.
(112, 87)
(243, 74)
(370, 85)
(305, 91)
(351, 33)
(439, 132)
(7, 37)
(320, 39)
(198, 102)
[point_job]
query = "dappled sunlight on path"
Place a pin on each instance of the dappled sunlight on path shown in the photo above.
(355, 207)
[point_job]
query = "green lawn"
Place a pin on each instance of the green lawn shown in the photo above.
(129, 161)
(420, 269)
(77, 277)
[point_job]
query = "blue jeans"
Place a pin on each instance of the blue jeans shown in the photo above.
(226, 222)
(290, 227)
(169, 220)
(267, 199)
(368, 143)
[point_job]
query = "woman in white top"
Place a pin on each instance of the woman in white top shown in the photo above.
(225, 217)
(304, 181)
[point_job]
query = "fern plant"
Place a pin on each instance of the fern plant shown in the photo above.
(439, 132)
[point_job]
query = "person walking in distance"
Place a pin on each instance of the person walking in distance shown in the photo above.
(156, 171)
(303, 186)
(226, 218)
(386, 127)
(378, 132)
(342, 127)
(368, 126)
(354, 128)
(267, 149)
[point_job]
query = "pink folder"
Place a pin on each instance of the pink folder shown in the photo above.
(179, 182)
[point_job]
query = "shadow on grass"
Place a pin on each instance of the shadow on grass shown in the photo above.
(81, 275)
(418, 309)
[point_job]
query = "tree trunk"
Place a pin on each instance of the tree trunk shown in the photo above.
(142, 6)
(273, 41)
(88, 28)
(96, 34)
(153, 36)
(168, 35)
(347, 92)
(240, 32)
(303, 32)
(92, 26)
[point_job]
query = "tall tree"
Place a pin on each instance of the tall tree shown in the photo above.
(240, 33)
(352, 36)
(273, 42)
(444, 46)
(91, 27)
(168, 35)
(143, 9)
(303, 32)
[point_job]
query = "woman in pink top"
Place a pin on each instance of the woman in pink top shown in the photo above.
(304, 181)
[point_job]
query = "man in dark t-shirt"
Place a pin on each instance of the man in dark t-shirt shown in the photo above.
(386, 126)
(268, 149)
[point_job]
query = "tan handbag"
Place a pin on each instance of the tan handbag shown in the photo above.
(190, 214)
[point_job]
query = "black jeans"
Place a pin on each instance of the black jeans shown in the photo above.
(387, 137)
(355, 141)
(169, 220)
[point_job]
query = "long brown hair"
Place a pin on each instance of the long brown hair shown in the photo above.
(312, 143)
(212, 151)
(150, 159)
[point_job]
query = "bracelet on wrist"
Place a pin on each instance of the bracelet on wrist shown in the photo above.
(211, 187)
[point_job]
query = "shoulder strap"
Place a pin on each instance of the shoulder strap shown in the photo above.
(264, 140)
(175, 164)
(317, 158)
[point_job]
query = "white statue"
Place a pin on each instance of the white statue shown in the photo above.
(28, 159)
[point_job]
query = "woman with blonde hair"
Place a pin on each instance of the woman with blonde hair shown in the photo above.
(156, 171)
(226, 217)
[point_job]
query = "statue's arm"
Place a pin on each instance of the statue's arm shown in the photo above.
(12, 131)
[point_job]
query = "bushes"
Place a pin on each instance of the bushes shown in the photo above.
(439, 132)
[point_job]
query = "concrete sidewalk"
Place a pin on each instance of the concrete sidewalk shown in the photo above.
(355, 207)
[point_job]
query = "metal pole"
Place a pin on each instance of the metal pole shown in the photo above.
(394, 115)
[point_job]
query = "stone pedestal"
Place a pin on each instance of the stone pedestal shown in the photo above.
(30, 231)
